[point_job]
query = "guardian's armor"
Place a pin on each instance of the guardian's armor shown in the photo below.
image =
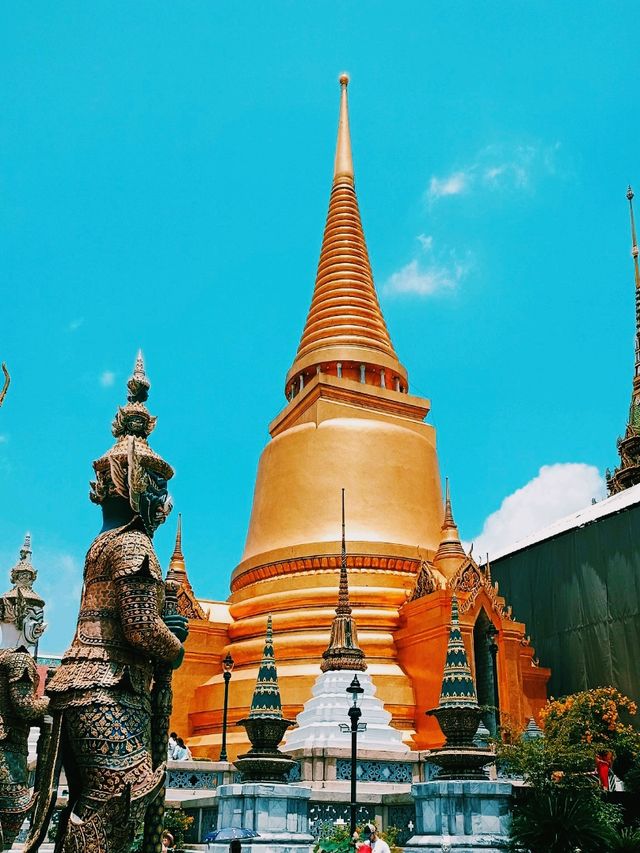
(101, 694)
(20, 707)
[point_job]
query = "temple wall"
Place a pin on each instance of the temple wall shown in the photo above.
(422, 645)
(579, 593)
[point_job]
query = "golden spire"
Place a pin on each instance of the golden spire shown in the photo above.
(448, 514)
(343, 167)
(177, 563)
(450, 553)
(343, 651)
(345, 323)
(188, 604)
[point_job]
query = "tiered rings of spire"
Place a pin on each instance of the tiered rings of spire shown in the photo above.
(628, 472)
(345, 334)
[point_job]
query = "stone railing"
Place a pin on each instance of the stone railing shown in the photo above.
(200, 775)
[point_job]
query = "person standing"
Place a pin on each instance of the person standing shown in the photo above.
(182, 751)
(173, 742)
(377, 844)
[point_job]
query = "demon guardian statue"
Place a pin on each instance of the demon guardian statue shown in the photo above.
(101, 694)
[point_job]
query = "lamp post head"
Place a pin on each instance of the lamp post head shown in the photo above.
(355, 690)
(227, 663)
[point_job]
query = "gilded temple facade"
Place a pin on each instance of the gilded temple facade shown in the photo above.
(349, 422)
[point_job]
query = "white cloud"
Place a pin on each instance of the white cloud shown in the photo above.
(453, 184)
(107, 378)
(74, 325)
(498, 167)
(556, 491)
(4, 439)
(437, 273)
(423, 281)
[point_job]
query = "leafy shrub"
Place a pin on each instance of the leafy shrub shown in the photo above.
(177, 821)
(337, 841)
(595, 718)
(626, 840)
(555, 821)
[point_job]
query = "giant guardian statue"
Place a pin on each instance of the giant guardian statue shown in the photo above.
(105, 728)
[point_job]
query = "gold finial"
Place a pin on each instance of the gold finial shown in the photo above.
(448, 513)
(344, 160)
(450, 553)
(177, 551)
(177, 566)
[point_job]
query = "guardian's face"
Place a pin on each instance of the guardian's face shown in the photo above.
(155, 502)
(33, 625)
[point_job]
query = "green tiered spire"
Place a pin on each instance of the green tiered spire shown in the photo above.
(266, 696)
(458, 689)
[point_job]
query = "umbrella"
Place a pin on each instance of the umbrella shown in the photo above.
(228, 833)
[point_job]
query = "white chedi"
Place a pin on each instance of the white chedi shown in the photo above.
(318, 724)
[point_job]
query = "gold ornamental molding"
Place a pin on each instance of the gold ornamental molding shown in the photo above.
(324, 562)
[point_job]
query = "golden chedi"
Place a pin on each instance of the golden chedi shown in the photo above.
(350, 423)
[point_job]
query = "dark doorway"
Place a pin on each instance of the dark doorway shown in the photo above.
(485, 675)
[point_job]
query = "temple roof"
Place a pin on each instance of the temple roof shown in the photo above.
(188, 604)
(609, 506)
(345, 320)
(450, 554)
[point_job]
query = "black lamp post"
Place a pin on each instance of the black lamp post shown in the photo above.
(356, 726)
(492, 633)
(227, 666)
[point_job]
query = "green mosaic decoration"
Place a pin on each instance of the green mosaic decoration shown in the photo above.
(266, 696)
(458, 689)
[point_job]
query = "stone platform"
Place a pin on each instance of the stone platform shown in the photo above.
(460, 816)
(278, 813)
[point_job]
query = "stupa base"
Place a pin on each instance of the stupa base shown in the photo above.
(278, 813)
(264, 767)
(461, 816)
(461, 762)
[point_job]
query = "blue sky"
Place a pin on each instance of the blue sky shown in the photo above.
(164, 179)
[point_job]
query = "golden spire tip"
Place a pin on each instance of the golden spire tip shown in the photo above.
(344, 160)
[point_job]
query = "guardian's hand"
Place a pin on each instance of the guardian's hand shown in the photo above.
(178, 625)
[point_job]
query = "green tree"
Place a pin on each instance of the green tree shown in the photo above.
(563, 808)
